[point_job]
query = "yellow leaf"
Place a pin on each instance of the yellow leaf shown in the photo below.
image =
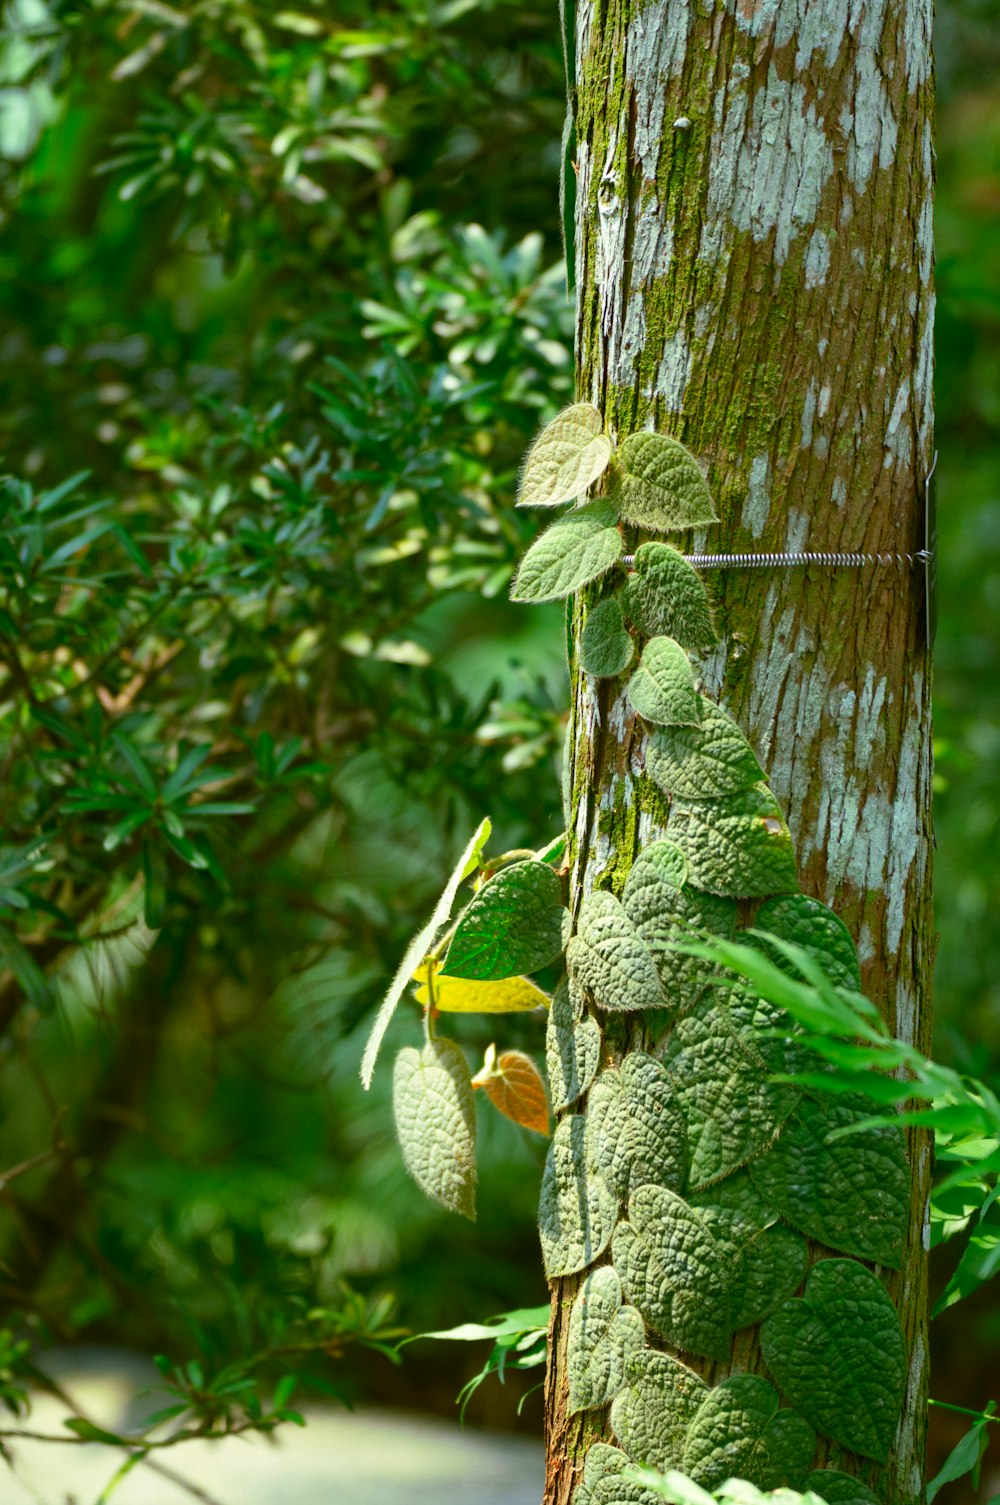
(459, 995)
(514, 1086)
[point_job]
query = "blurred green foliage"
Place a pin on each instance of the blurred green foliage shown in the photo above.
(281, 303)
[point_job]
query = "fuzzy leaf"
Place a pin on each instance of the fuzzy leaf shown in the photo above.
(851, 1194)
(738, 846)
(663, 488)
(436, 1123)
(675, 1271)
(577, 549)
(419, 947)
(703, 761)
(733, 1111)
(768, 1260)
(662, 688)
(456, 995)
(840, 1489)
(569, 454)
(651, 1415)
(603, 1334)
(516, 923)
(739, 1432)
(809, 924)
(635, 1129)
(666, 913)
(600, 1461)
(664, 597)
(617, 1490)
(838, 1355)
(606, 649)
(608, 956)
(572, 1050)
(576, 1211)
(514, 1086)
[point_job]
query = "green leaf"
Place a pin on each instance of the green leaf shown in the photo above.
(733, 1111)
(606, 649)
(663, 488)
(664, 596)
(662, 688)
(577, 549)
(635, 1129)
(651, 1415)
(603, 1334)
(740, 1432)
(572, 1050)
(852, 1193)
(703, 761)
(675, 1271)
(980, 1259)
(569, 455)
(809, 924)
(667, 913)
(838, 1355)
(769, 1260)
(436, 1123)
(964, 1458)
(576, 1210)
(419, 946)
(840, 1489)
(515, 924)
(600, 1461)
(91, 1433)
(738, 846)
(609, 957)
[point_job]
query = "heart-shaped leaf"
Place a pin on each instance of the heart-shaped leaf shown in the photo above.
(455, 995)
(576, 1210)
(703, 761)
(664, 597)
(840, 1489)
(666, 912)
(662, 688)
(662, 487)
(839, 1356)
(733, 1112)
(603, 1335)
(809, 924)
(572, 1050)
(609, 957)
(635, 1128)
(675, 1271)
(577, 549)
(436, 1123)
(600, 1461)
(769, 1261)
(606, 648)
(516, 923)
(514, 1086)
(569, 454)
(651, 1414)
(738, 846)
(739, 1432)
(852, 1194)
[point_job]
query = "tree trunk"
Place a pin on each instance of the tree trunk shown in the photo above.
(753, 265)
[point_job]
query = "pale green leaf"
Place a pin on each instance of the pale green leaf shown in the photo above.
(662, 688)
(576, 1210)
(664, 597)
(852, 1193)
(572, 1050)
(419, 947)
(569, 454)
(606, 648)
(651, 1414)
(668, 913)
(635, 1129)
(436, 1123)
(603, 1334)
(675, 1271)
(738, 846)
(663, 488)
(515, 924)
(839, 1356)
(600, 1461)
(577, 549)
(740, 1432)
(609, 957)
(702, 761)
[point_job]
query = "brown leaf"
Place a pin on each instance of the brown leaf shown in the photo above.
(514, 1086)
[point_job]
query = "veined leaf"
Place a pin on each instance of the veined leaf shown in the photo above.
(514, 1086)
(459, 995)
(663, 488)
(579, 548)
(516, 923)
(436, 1123)
(569, 454)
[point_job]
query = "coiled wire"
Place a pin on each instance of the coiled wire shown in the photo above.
(793, 560)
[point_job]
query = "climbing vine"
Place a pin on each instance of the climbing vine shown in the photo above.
(694, 1190)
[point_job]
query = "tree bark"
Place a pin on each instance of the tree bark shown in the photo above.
(754, 273)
